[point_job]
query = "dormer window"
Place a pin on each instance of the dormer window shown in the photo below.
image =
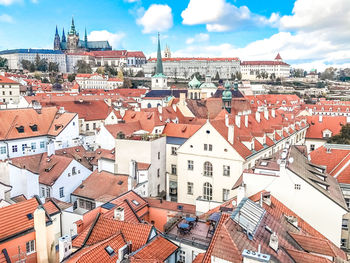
(34, 127)
(20, 129)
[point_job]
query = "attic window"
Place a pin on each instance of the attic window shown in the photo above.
(58, 126)
(109, 250)
(120, 182)
(135, 202)
(264, 163)
(81, 186)
(20, 129)
(48, 169)
(30, 216)
(34, 127)
(208, 131)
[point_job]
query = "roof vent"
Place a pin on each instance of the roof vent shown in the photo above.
(30, 216)
(109, 250)
(293, 220)
(135, 202)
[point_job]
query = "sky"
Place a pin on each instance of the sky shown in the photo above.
(307, 33)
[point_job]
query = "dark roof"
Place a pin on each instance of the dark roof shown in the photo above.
(235, 93)
(164, 93)
(31, 51)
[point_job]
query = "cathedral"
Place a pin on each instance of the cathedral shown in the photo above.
(73, 44)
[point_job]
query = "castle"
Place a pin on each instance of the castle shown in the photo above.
(72, 44)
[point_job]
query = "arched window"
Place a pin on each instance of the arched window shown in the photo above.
(207, 191)
(208, 169)
(149, 105)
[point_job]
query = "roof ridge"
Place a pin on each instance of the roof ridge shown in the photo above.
(335, 167)
(11, 127)
(91, 229)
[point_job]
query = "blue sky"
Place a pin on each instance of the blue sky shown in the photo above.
(250, 29)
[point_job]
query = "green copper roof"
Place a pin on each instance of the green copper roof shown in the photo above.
(159, 75)
(235, 85)
(194, 83)
(72, 28)
(227, 94)
(159, 68)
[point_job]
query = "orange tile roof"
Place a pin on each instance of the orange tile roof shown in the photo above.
(314, 244)
(127, 129)
(199, 258)
(14, 220)
(180, 130)
(109, 184)
(51, 207)
(48, 122)
(316, 128)
(97, 252)
(173, 206)
(4, 80)
(143, 166)
(303, 257)
(158, 248)
(104, 227)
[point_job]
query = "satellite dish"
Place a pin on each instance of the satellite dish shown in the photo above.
(291, 160)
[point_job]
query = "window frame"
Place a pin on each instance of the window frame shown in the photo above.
(189, 188)
(31, 245)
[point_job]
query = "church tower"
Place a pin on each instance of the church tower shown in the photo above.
(57, 42)
(167, 53)
(73, 38)
(159, 80)
(227, 97)
(85, 40)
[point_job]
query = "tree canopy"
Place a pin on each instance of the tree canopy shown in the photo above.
(343, 137)
(83, 67)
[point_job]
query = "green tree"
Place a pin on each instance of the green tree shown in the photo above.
(45, 80)
(233, 76)
(3, 62)
(42, 65)
(37, 61)
(141, 74)
(27, 65)
(197, 74)
(273, 76)
(127, 83)
(53, 67)
(83, 67)
(329, 73)
(238, 75)
(343, 137)
(100, 71)
(71, 77)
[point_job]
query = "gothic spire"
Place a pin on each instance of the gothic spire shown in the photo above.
(72, 28)
(63, 36)
(159, 68)
(56, 31)
(86, 39)
(57, 42)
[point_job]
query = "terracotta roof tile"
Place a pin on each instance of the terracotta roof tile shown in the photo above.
(303, 257)
(51, 208)
(316, 128)
(180, 130)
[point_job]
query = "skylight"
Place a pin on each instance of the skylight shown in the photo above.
(109, 250)
(263, 163)
(135, 202)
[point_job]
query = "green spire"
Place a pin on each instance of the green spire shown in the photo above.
(194, 83)
(85, 39)
(227, 96)
(72, 28)
(159, 68)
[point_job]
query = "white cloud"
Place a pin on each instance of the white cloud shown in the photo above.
(131, 1)
(114, 39)
(201, 37)
(6, 18)
(316, 35)
(219, 15)
(156, 18)
(9, 2)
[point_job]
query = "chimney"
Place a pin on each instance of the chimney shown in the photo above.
(119, 213)
(40, 235)
(266, 114)
(240, 193)
(122, 112)
(64, 247)
(246, 120)
(320, 118)
(50, 148)
(231, 133)
(182, 98)
(238, 121)
(273, 113)
(160, 109)
(274, 241)
(257, 116)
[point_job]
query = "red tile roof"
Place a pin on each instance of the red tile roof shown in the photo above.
(110, 186)
(180, 130)
(303, 257)
(263, 62)
(194, 59)
(4, 80)
(173, 206)
(158, 248)
(51, 208)
(14, 220)
(316, 128)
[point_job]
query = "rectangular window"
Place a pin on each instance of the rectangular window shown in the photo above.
(343, 242)
(158, 155)
(14, 148)
(30, 247)
(173, 169)
(47, 192)
(225, 194)
(61, 192)
(87, 126)
(33, 145)
(2, 149)
(210, 147)
(94, 126)
(81, 203)
(345, 224)
(226, 170)
(312, 147)
(42, 192)
(173, 150)
(347, 200)
(190, 188)
(42, 145)
(182, 256)
(158, 172)
(190, 165)
(24, 145)
(205, 147)
(297, 186)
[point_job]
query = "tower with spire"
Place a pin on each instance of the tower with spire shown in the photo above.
(73, 38)
(159, 80)
(227, 97)
(57, 41)
(63, 40)
(85, 40)
(167, 53)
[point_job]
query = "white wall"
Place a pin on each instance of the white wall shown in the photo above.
(104, 139)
